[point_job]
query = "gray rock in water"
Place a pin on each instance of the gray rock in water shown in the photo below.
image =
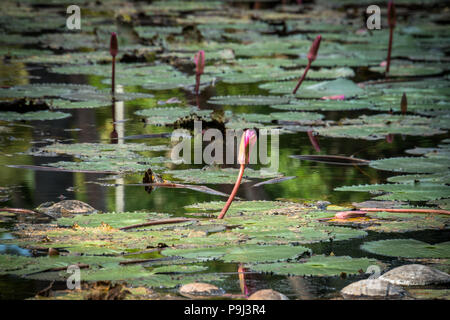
(373, 288)
(65, 208)
(267, 294)
(415, 275)
(200, 290)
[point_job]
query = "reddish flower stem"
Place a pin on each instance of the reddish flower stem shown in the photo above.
(233, 193)
(197, 83)
(388, 60)
(302, 78)
(113, 81)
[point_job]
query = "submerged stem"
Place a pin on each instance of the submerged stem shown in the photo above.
(233, 193)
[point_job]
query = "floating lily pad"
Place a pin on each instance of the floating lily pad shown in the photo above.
(318, 90)
(410, 70)
(115, 220)
(408, 248)
(318, 266)
(249, 100)
(325, 105)
(411, 165)
(376, 132)
(244, 253)
(403, 192)
(218, 176)
(166, 116)
(67, 91)
(33, 115)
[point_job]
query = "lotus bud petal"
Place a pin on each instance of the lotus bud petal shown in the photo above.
(113, 45)
(312, 54)
(199, 60)
(248, 141)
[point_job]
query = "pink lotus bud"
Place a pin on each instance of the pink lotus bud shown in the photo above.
(391, 14)
(199, 60)
(350, 214)
(245, 149)
(113, 46)
(338, 97)
(383, 64)
(312, 54)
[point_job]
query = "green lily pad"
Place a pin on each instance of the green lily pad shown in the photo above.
(33, 115)
(242, 253)
(376, 131)
(324, 105)
(318, 90)
(407, 248)
(318, 266)
(218, 175)
(179, 269)
(409, 70)
(166, 116)
(403, 192)
(115, 220)
(411, 165)
(249, 100)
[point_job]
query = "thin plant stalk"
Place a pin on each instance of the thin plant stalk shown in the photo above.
(113, 75)
(113, 50)
(233, 193)
(302, 78)
(391, 22)
(248, 140)
(388, 60)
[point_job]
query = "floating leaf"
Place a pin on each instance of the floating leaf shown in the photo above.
(249, 100)
(33, 116)
(408, 248)
(318, 266)
(243, 253)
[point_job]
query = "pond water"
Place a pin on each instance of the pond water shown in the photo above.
(314, 181)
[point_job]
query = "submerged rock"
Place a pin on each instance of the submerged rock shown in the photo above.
(267, 294)
(65, 208)
(200, 290)
(415, 275)
(373, 288)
